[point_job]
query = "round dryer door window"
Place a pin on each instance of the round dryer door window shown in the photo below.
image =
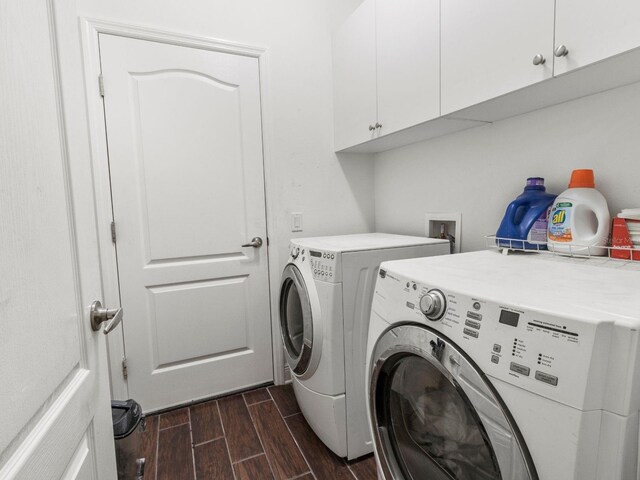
(437, 417)
(296, 323)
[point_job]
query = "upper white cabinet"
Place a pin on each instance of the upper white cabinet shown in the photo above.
(354, 78)
(409, 70)
(408, 62)
(592, 30)
(386, 60)
(493, 47)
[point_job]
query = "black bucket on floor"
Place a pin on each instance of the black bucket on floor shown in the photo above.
(128, 429)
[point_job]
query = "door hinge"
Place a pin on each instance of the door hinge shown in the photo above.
(125, 369)
(113, 232)
(101, 85)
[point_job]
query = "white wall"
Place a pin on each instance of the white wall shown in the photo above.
(302, 172)
(479, 172)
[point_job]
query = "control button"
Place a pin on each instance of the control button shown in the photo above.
(476, 305)
(546, 378)
(324, 255)
(303, 251)
(332, 256)
(415, 287)
(474, 315)
(471, 333)
(497, 348)
(472, 324)
(331, 274)
(495, 359)
(433, 305)
(521, 369)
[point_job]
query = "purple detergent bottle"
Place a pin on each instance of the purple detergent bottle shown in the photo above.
(526, 218)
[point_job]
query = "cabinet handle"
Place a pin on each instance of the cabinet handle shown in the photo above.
(561, 51)
(372, 128)
(378, 125)
(539, 59)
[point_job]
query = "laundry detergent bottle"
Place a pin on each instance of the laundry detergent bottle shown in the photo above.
(579, 221)
(526, 218)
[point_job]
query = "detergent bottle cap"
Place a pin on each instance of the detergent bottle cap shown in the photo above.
(535, 183)
(582, 178)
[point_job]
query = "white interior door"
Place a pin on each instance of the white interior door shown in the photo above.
(54, 400)
(185, 154)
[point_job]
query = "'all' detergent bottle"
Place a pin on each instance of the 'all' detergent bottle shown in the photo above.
(579, 221)
(526, 218)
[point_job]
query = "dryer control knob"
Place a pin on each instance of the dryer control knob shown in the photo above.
(295, 252)
(433, 305)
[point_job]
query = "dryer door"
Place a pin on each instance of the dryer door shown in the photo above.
(436, 416)
(296, 320)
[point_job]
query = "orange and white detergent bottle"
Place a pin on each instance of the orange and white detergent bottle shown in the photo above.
(579, 219)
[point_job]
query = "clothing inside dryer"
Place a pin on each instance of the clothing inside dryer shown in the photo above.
(294, 320)
(433, 429)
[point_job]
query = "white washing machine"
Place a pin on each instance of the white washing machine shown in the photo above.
(505, 367)
(325, 301)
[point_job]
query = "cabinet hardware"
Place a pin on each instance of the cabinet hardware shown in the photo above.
(561, 51)
(539, 59)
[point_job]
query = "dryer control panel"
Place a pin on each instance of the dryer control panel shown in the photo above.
(556, 357)
(324, 264)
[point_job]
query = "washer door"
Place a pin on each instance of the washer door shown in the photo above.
(435, 415)
(296, 320)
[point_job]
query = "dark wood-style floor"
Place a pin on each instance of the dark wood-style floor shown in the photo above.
(257, 435)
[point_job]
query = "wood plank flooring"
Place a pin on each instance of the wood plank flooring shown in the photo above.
(256, 435)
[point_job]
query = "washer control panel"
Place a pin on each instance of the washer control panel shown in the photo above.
(553, 356)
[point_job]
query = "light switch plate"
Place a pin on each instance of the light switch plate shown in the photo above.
(296, 222)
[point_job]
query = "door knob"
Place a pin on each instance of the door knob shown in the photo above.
(256, 242)
(99, 314)
(539, 59)
(378, 125)
(372, 128)
(561, 51)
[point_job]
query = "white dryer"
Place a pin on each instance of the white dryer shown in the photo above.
(325, 300)
(505, 367)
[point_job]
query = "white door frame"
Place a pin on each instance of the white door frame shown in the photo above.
(91, 28)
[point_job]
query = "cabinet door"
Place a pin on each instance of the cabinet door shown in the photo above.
(594, 30)
(408, 62)
(354, 78)
(488, 48)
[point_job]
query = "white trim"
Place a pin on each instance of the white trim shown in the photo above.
(91, 29)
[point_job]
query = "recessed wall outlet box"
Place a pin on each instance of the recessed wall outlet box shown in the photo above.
(451, 223)
(296, 222)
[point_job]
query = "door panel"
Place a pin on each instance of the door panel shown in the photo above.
(186, 106)
(182, 342)
(594, 30)
(408, 62)
(354, 78)
(53, 369)
(488, 48)
(185, 156)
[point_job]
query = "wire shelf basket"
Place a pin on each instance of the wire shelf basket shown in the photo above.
(616, 253)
